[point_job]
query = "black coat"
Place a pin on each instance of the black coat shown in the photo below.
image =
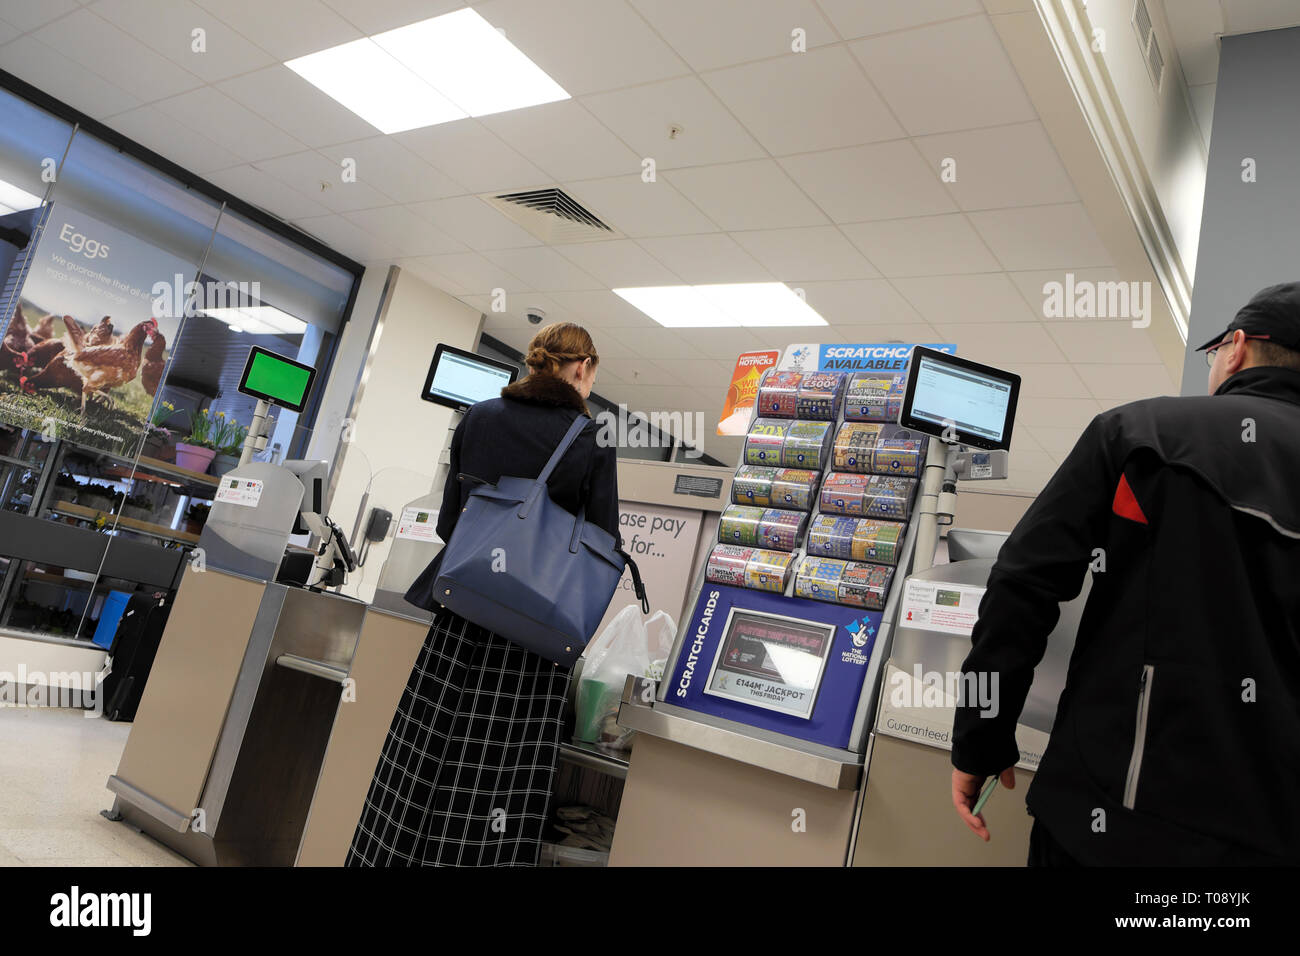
(515, 435)
(1177, 737)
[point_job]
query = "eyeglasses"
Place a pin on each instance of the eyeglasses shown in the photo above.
(1209, 353)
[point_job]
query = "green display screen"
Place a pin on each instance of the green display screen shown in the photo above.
(284, 383)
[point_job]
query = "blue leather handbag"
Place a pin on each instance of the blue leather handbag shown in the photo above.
(523, 567)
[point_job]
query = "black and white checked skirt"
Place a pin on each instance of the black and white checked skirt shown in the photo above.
(466, 773)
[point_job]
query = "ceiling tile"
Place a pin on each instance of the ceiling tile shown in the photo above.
(853, 18)
(543, 269)
(658, 343)
(860, 302)
(285, 28)
(640, 371)
(1126, 383)
(908, 334)
(66, 80)
(1196, 26)
(376, 16)
(1058, 413)
(644, 116)
(468, 272)
(8, 32)
(412, 235)
(297, 107)
(930, 245)
(752, 195)
(1049, 381)
(1041, 237)
(388, 166)
(1000, 343)
(168, 26)
(1100, 343)
(945, 300)
(262, 189)
(322, 179)
(475, 223)
(726, 344)
(565, 141)
(1056, 442)
(803, 102)
(1002, 166)
(639, 208)
(27, 15)
(603, 309)
(338, 233)
(619, 263)
(230, 124)
(946, 77)
(807, 254)
(881, 181)
(707, 259)
(712, 33)
(1031, 285)
(587, 46)
(473, 156)
(1252, 16)
(193, 151)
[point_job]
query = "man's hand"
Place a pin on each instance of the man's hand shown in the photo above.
(966, 790)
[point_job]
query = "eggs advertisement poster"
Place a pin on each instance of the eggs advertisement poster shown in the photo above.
(85, 345)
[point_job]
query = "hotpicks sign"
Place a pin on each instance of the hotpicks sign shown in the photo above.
(843, 357)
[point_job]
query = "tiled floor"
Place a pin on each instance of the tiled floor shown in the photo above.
(54, 764)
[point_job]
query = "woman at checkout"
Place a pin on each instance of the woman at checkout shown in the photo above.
(467, 768)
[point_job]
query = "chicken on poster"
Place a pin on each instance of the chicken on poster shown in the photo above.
(742, 391)
(84, 350)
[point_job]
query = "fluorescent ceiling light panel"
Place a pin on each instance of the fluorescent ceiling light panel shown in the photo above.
(13, 199)
(676, 306)
(259, 320)
(701, 306)
(369, 82)
(470, 62)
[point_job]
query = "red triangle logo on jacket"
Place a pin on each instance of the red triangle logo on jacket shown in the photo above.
(1126, 504)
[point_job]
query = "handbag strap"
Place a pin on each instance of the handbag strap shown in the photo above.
(579, 423)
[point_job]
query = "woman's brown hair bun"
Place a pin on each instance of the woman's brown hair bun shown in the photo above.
(557, 345)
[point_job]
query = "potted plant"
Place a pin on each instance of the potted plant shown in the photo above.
(230, 445)
(196, 450)
(157, 439)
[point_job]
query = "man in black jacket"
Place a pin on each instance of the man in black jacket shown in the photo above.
(1177, 736)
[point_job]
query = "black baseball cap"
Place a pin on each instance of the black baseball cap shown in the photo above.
(1272, 313)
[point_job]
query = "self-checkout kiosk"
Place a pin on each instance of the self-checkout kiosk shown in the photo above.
(227, 744)
(765, 744)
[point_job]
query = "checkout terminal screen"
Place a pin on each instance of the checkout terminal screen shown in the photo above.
(277, 379)
(771, 661)
(461, 380)
(975, 402)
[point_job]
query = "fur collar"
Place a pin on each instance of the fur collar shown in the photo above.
(542, 388)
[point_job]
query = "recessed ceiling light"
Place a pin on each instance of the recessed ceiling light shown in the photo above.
(700, 306)
(259, 320)
(13, 199)
(434, 71)
(470, 62)
(676, 306)
(369, 82)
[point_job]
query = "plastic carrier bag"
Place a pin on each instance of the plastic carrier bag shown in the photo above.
(627, 645)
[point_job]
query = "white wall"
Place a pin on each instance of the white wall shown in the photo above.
(395, 438)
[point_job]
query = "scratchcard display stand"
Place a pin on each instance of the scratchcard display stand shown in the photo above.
(760, 728)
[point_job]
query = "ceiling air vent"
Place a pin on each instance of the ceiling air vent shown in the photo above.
(552, 215)
(1146, 35)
